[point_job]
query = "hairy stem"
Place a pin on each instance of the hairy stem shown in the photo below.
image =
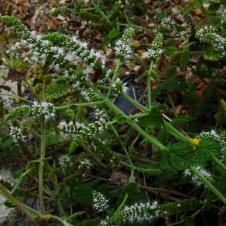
(149, 84)
(41, 167)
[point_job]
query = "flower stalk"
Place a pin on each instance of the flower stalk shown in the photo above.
(41, 167)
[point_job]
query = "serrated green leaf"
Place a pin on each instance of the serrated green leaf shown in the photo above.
(57, 90)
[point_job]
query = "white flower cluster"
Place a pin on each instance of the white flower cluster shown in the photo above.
(168, 24)
(209, 34)
(65, 160)
(184, 35)
(123, 46)
(156, 47)
(106, 222)
(215, 136)
(17, 134)
(90, 56)
(88, 94)
(78, 53)
(37, 51)
(118, 86)
(44, 109)
(140, 212)
(100, 202)
(85, 131)
(85, 163)
(210, 134)
(123, 3)
(69, 127)
(195, 180)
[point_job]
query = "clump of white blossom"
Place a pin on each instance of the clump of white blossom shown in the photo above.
(73, 54)
(78, 51)
(85, 163)
(82, 130)
(140, 212)
(195, 179)
(123, 3)
(184, 35)
(210, 134)
(65, 160)
(100, 202)
(17, 134)
(43, 109)
(118, 86)
(123, 46)
(36, 53)
(69, 127)
(137, 213)
(209, 34)
(155, 49)
(167, 23)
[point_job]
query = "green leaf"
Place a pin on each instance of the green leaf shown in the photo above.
(53, 138)
(82, 193)
(18, 112)
(170, 51)
(111, 36)
(185, 56)
(154, 119)
(131, 189)
(179, 157)
(206, 149)
(57, 90)
(212, 55)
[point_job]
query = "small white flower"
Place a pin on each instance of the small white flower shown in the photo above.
(44, 109)
(17, 134)
(168, 23)
(209, 34)
(139, 212)
(65, 160)
(85, 163)
(195, 179)
(100, 202)
(123, 45)
(156, 47)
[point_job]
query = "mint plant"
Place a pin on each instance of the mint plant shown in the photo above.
(89, 161)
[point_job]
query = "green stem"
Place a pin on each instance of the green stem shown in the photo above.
(41, 167)
(211, 187)
(20, 179)
(78, 105)
(115, 75)
(219, 163)
(135, 103)
(148, 137)
(74, 215)
(176, 133)
(149, 84)
(97, 8)
(143, 170)
(125, 197)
